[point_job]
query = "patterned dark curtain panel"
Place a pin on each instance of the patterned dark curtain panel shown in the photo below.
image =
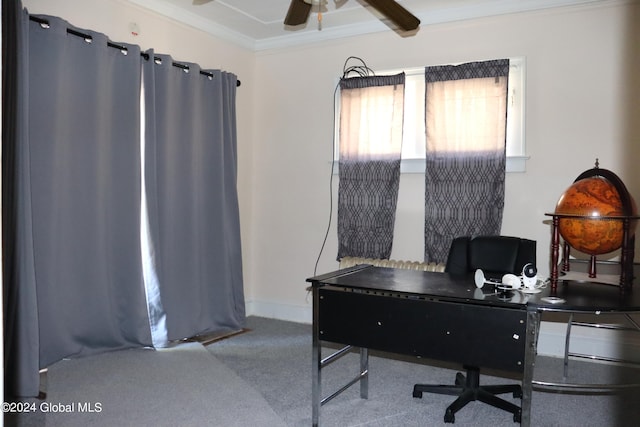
(465, 158)
(464, 196)
(370, 144)
(367, 196)
(471, 70)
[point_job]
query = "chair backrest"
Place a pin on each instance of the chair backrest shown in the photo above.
(494, 255)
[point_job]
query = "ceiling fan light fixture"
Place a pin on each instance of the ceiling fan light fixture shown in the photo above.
(299, 11)
(319, 5)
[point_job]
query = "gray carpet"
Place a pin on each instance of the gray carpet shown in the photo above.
(263, 378)
(179, 386)
(275, 358)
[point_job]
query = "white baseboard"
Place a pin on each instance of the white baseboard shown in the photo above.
(623, 345)
(275, 310)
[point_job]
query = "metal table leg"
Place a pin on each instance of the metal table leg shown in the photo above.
(364, 373)
(318, 363)
(316, 392)
(531, 344)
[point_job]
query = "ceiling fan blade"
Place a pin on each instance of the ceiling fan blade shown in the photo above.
(396, 13)
(298, 13)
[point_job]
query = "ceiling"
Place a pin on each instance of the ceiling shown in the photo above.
(258, 24)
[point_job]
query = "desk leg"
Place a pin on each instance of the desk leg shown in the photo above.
(555, 248)
(364, 372)
(531, 343)
(316, 391)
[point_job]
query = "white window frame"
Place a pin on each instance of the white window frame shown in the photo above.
(413, 156)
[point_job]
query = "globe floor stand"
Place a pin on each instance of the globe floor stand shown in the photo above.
(626, 254)
(595, 215)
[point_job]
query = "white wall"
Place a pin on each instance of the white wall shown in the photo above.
(582, 98)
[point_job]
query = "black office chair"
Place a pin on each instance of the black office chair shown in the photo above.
(496, 256)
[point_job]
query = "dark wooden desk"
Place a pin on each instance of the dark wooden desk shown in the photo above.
(439, 316)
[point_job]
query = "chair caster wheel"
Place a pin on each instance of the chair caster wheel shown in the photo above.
(417, 394)
(517, 417)
(449, 417)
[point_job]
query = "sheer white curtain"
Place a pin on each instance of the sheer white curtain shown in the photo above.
(466, 116)
(371, 117)
(465, 121)
(371, 122)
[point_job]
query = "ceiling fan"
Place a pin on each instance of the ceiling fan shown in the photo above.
(299, 11)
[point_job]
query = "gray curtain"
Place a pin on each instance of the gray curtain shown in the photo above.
(20, 327)
(464, 188)
(73, 196)
(73, 262)
(190, 171)
(369, 164)
(84, 141)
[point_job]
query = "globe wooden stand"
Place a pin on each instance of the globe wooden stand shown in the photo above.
(628, 218)
(626, 255)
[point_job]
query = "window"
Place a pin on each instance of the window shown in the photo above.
(413, 143)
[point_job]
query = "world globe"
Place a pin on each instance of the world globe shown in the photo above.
(594, 200)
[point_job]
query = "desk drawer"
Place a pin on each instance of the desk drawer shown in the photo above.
(470, 334)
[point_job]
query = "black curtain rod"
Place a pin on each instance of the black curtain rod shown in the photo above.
(42, 21)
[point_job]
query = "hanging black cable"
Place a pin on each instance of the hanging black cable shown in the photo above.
(361, 70)
(45, 24)
(333, 167)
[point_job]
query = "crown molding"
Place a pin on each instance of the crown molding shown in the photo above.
(196, 21)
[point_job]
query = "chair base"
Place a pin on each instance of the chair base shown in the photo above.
(468, 389)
